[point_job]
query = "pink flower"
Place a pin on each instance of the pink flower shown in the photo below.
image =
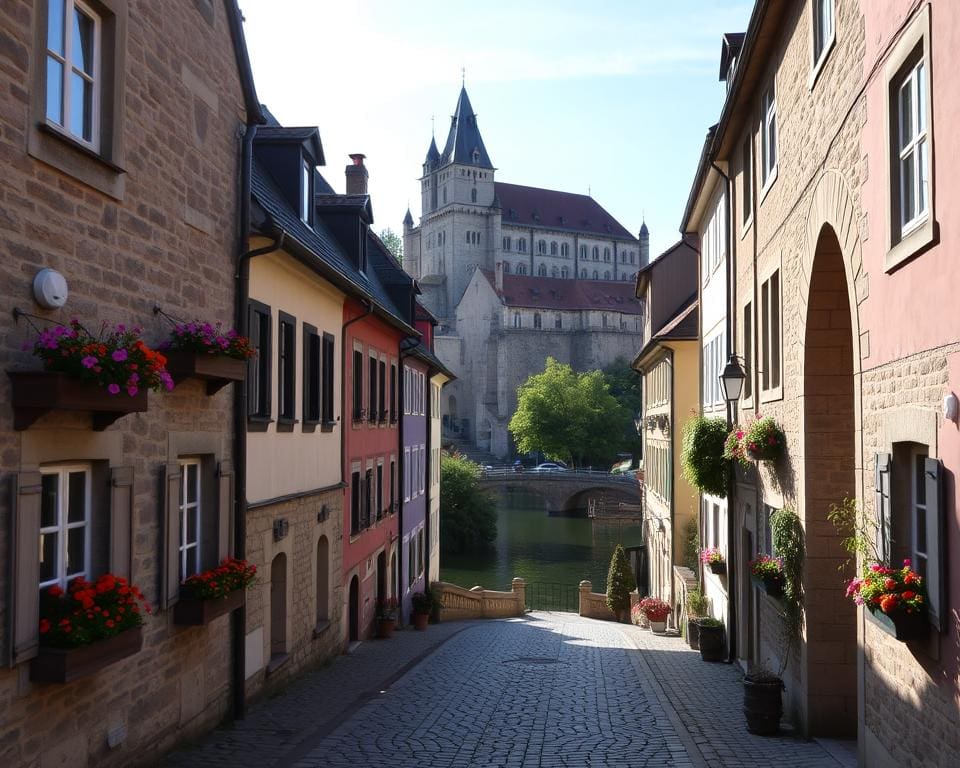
(113, 389)
(132, 390)
(876, 567)
(119, 355)
(907, 562)
(89, 361)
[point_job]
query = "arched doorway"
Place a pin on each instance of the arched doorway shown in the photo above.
(353, 608)
(829, 653)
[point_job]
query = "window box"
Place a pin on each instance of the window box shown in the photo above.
(718, 568)
(772, 586)
(190, 611)
(902, 625)
(35, 393)
(63, 665)
(216, 370)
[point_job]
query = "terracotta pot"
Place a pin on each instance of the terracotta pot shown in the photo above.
(385, 628)
(190, 611)
(63, 665)
(420, 621)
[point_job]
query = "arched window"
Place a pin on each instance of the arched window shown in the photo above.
(596, 253)
(541, 246)
(558, 321)
(554, 272)
(606, 254)
(516, 320)
(606, 275)
(565, 250)
(537, 321)
(506, 267)
(506, 243)
(583, 274)
(542, 270)
(553, 248)
(596, 275)
(473, 195)
(583, 251)
(521, 269)
(564, 272)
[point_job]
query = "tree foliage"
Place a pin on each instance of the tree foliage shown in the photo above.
(468, 518)
(620, 581)
(394, 243)
(702, 454)
(568, 416)
(626, 386)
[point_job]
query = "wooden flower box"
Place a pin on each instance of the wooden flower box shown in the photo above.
(902, 625)
(718, 568)
(192, 612)
(63, 665)
(216, 370)
(35, 393)
(773, 587)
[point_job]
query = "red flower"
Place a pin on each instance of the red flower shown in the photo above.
(44, 626)
(54, 591)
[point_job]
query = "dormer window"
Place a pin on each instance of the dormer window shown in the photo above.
(305, 193)
(476, 155)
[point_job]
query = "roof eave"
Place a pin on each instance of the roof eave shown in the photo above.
(251, 103)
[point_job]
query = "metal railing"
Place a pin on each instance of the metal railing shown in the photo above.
(506, 472)
(552, 596)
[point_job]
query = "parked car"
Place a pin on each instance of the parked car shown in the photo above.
(548, 466)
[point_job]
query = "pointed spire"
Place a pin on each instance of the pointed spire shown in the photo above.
(643, 228)
(408, 219)
(433, 154)
(464, 143)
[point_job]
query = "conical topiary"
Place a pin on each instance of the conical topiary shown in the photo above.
(620, 583)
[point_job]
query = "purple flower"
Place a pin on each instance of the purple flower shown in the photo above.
(167, 381)
(134, 378)
(89, 361)
(121, 329)
(132, 390)
(119, 355)
(113, 389)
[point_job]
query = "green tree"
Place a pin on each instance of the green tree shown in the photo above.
(568, 416)
(468, 519)
(626, 385)
(394, 243)
(620, 582)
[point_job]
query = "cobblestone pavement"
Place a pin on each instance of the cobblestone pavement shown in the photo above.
(549, 690)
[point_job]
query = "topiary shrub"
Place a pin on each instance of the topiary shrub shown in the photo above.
(702, 454)
(620, 583)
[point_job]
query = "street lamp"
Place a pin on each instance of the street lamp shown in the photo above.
(732, 379)
(638, 423)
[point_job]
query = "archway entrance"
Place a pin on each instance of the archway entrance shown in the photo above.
(829, 655)
(353, 608)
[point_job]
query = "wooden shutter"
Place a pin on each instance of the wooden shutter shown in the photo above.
(121, 521)
(881, 485)
(936, 582)
(170, 556)
(225, 502)
(25, 589)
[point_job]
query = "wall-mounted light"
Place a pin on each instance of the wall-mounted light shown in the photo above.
(732, 379)
(950, 405)
(50, 289)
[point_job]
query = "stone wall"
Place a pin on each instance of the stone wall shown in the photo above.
(593, 605)
(479, 603)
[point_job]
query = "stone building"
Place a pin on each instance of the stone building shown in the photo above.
(558, 241)
(122, 159)
(835, 151)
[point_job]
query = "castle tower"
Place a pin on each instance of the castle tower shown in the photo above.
(644, 245)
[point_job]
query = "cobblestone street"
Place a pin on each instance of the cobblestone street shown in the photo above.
(551, 689)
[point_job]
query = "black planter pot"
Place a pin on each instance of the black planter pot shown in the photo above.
(693, 633)
(763, 705)
(772, 585)
(902, 625)
(711, 642)
(718, 568)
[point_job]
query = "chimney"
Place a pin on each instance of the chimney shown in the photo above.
(499, 280)
(357, 175)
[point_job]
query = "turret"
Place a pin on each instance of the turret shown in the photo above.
(644, 245)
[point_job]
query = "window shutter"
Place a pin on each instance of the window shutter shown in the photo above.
(225, 501)
(25, 591)
(170, 559)
(936, 584)
(881, 485)
(121, 521)
(253, 363)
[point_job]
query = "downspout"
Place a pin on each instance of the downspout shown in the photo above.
(401, 468)
(731, 418)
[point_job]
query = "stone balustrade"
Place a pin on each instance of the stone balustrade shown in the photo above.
(478, 603)
(593, 605)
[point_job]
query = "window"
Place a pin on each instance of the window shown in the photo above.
(746, 163)
(393, 391)
(583, 252)
(506, 267)
(382, 391)
(374, 394)
(406, 474)
(381, 512)
(912, 147)
(355, 501)
(368, 510)
(522, 246)
(357, 374)
(542, 270)
(420, 552)
(606, 274)
(411, 562)
(564, 272)
(521, 269)
(596, 275)
(606, 254)
(714, 245)
(259, 367)
(712, 365)
(541, 246)
(558, 321)
(748, 351)
(73, 70)
(768, 111)
(583, 274)
(516, 320)
(537, 322)
(765, 533)
(311, 374)
(326, 393)
(393, 484)
(822, 30)
(506, 243)
(473, 195)
(287, 367)
(565, 250)
(770, 333)
(553, 248)
(305, 193)
(190, 512)
(596, 253)
(64, 524)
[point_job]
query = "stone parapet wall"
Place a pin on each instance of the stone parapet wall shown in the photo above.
(593, 605)
(478, 603)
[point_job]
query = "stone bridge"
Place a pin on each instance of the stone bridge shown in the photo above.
(568, 490)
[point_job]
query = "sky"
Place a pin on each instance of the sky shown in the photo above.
(607, 98)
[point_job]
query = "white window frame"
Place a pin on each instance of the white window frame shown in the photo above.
(185, 545)
(63, 472)
(917, 148)
(406, 474)
(747, 182)
(769, 158)
(823, 26)
(771, 343)
(69, 7)
(423, 468)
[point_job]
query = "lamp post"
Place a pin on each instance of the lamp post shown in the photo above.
(732, 380)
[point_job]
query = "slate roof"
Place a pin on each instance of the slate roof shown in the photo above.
(308, 135)
(548, 208)
(683, 326)
(558, 293)
(433, 154)
(325, 254)
(464, 137)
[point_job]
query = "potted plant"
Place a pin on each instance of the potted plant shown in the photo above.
(762, 702)
(215, 592)
(386, 617)
(656, 611)
(697, 606)
(203, 351)
(764, 440)
(422, 605)
(714, 560)
(108, 374)
(638, 617)
(767, 572)
(620, 582)
(87, 628)
(710, 632)
(895, 598)
(702, 455)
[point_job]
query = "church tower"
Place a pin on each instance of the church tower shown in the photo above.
(460, 223)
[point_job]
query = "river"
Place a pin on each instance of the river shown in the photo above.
(541, 549)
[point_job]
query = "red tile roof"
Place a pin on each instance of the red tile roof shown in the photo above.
(557, 293)
(535, 207)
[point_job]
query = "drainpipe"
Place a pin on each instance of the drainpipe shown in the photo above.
(401, 468)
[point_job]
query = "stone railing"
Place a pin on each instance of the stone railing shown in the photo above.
(593, 605)
(684, 580)
(480, 603)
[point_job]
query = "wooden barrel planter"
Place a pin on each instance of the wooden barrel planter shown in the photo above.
(763, 705)
(420, 621)
(711, 642)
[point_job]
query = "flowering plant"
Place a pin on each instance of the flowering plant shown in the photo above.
(422, 602)
(733, 447)
(654, 609)
(711, 556)
(210, 339)
(232, 574)
(387, 608)
(87, 612)
(635, 614)
(764, 440)
(890, 590)
(767, 568)
(114, 360)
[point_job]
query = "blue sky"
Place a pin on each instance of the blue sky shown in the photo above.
(611, 97)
